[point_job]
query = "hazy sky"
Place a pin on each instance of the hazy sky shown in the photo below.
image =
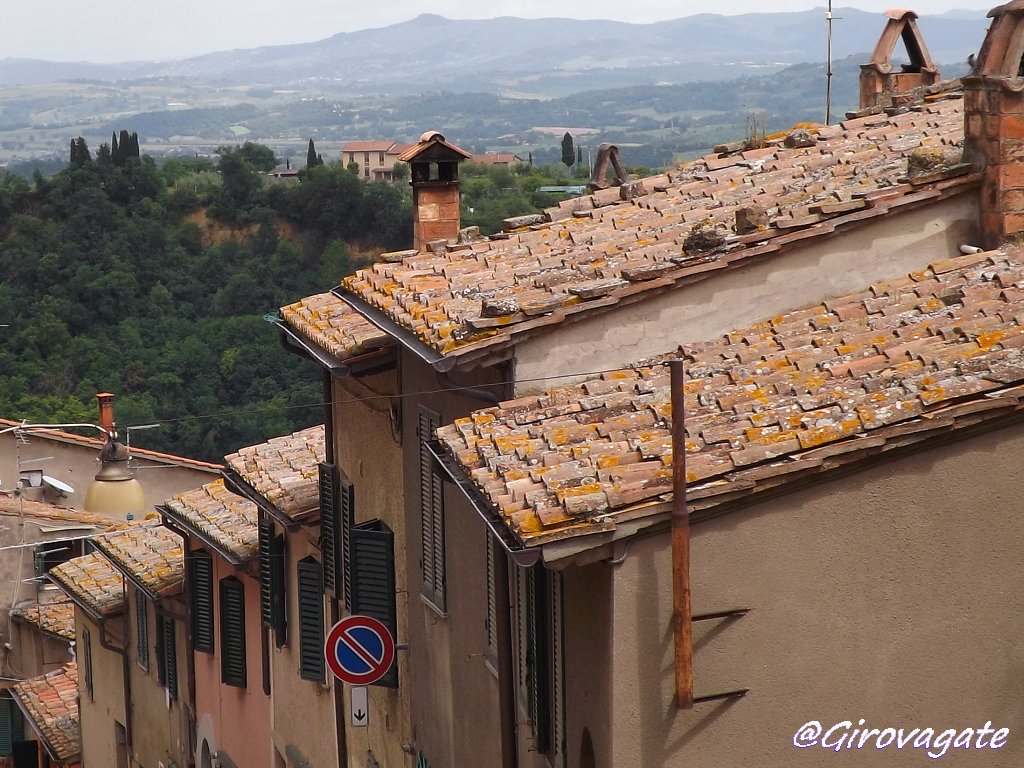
(120, 30)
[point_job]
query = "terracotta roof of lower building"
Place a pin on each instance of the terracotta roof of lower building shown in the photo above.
(333, 326)
(55, 618)
(50, 703)
(284, 471)
(225, 519)
(840, 380)
(150, 555)
(13, 504)
(93, 583)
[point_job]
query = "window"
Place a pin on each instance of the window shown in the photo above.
(380, 159)
(142, 628)
(8, 715)
(372, 565)
(232, 632)
(491, 620)
(337, 505)
(167, 655)
(432, 560)
(311, 620)
(366, 158)
(273, 603)
(200, 582)
(86, 656)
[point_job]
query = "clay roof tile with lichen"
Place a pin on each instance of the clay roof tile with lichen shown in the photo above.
(227, 521)
(92, 582)
(333, 326)
(50, 704)
(150, 555)
(56, 618)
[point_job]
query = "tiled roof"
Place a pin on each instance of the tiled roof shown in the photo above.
(12, 504)
(92, 582)
(378, 145)
(495, 158)
(284, 470)
(150, 555)
(617, 244)
(868, 372)
(50, 702)
(226, 520)
(56, 618)
(334, 326)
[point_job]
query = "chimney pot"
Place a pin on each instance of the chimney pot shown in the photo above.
(106, 401)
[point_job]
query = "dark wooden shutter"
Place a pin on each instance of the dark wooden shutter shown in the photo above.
(161, 651)
(87, 662)
(278, 590)
(6, 724)
(232, 632)
(200, 582)
(266, 535)
(431, 514)
(346, 519)
(171, 658)
(373, 581)
(328, 526)
(491, 620)
(537, 658)
(142, 628)
(557, 673)
(311, 621)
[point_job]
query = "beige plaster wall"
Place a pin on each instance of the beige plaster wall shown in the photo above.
(33, 652)
(889, 246)
(890, 595)
(370, 454)
(98, 714)
(302, 711)
(456, 711)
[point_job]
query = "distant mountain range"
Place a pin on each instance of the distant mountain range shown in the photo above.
(544, 56)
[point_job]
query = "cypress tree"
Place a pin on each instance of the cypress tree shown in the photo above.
(311, 155)
(568, 150)
(115, 150)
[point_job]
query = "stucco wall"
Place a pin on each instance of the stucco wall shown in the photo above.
(98, 714)
(370, 454)
(221, 708)
(890, 246)
(889, 595)
(34, 652)
(456, 718)
(302, 714)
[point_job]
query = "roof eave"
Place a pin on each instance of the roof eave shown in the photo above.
(182, 522)
(91, 613)
(363, 362)
(240, 487)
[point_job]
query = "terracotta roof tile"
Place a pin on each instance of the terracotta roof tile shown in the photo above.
(284, 470)
(11, 504)
(227, 520)
(56, 618)
(613, 248)
(151, 555)
(333, 326)
(92, 582)
(50, 702)
(574, 460)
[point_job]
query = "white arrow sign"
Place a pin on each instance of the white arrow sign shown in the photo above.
(359, 712)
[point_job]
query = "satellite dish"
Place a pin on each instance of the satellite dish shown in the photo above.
(57, 485)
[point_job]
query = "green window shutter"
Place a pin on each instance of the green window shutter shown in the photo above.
(86, 656)
(373, 581)
(142, 628)
(537, 660)
(557, 673)
(311, 621)
(278, 590)
(328, 526)
(491, 620)
(161, 651)
(266, 535)
(522, 671)
(200, 582)
(6, 724)
(346, 519)
(431, 514)
(232, 632)
(170, 659)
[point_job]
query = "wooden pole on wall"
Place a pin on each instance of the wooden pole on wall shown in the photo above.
(682, 612)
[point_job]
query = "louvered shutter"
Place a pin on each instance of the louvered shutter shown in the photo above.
(557, 674)
(522, 643)
(7, 708)
(171, 659)
(200, 582)
(142, 628)
(278, 591)
(373, 581)
(161, 651)
(328, 526)
(232, 632)
(266, 534)
(87, 662)
(311, 621)
(346, 519)
(537, 658)
(431, 514)
(491, 620)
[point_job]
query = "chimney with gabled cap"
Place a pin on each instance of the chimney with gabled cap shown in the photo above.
(994, 124)
(106, 401)
(434, 168)
(880, 86)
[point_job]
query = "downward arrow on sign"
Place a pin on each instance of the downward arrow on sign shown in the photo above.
(359, 715)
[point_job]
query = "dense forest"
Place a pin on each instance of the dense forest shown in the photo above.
(152, 282)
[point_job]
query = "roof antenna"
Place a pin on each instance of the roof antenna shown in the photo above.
(828, 70)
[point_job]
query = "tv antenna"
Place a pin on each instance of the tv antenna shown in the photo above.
(828, 66)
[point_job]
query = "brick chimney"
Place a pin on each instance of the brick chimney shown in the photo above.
(434, 167)
(880, 86)
(994, 124)
(106, 401)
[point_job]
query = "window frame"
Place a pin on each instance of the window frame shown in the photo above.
(233, 657)
(310, 608)
(200, 581)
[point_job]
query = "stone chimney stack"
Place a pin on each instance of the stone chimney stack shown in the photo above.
(880, 86)
(434, 167)
(106, 401)
(994, 124)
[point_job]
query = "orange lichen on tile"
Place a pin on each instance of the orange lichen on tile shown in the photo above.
(228, 520)
(334, 326)
(55, 618)
(284, 470)
(92, 582)
(150, 555)
(51, 703)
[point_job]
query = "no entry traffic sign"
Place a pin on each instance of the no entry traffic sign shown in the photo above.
(359, 650)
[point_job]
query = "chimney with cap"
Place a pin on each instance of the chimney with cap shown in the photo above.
(880, 85)
(106, 401)
(994, 124)
(434, 168)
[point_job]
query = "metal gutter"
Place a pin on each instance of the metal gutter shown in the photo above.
(183, 525)
(299, 345)
(238, 486)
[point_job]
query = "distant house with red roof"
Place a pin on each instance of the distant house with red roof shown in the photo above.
(376, 159)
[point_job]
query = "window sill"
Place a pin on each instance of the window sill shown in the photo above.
(430, 604)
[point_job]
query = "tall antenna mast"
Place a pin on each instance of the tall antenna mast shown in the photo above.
(828, 70)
